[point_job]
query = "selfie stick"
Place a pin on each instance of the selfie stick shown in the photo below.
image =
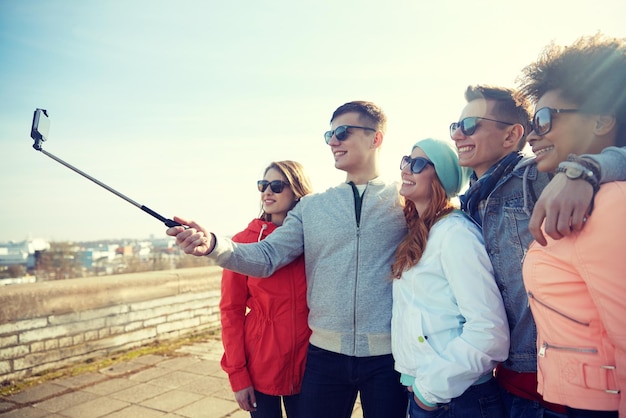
(38, 137)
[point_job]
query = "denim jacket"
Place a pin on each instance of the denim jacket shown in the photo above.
(506, 214)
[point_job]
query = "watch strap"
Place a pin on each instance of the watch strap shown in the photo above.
(587, 173)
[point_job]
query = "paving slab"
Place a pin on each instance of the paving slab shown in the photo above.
(80, 380)
(190, 384)
(98, 407)
(139, 393)
(175, 379)
(209, 407)
(110, 386)
(172, 401)
(136, 411)
(38, 393)
(68, 400)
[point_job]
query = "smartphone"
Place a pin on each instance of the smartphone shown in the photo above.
(41, 127)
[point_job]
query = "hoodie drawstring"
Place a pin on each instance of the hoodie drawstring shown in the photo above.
(263, 228)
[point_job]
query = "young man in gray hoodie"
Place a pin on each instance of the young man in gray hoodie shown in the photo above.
(348, 235)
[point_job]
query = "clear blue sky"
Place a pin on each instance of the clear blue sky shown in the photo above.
(180, 105)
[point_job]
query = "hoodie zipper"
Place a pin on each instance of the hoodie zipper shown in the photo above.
(293, 317)
(358, 204)
(294, 310)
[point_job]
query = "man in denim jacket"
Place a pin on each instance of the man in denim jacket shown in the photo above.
(504, 188)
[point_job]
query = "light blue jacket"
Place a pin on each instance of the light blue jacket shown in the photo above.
(348, 265)
(449, 328)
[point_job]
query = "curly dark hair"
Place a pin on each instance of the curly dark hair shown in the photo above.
(591, 73)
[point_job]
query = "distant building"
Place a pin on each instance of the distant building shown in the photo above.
(21, 253)
(98, 255)
(91, 258)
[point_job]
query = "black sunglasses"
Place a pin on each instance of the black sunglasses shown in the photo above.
(468, 125)
(277, 186)
(341, 132)
(417, 164)
(542, 120)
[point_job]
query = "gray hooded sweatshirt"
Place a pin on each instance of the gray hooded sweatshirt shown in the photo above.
(348, 264)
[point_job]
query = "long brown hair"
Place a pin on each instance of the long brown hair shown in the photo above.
(299, 182)
(412, 247)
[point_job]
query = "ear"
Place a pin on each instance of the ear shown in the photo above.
(604, 124)
(378, 140)
(513, 136)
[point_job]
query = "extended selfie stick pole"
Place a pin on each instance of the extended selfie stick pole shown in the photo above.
(39, 132)
(167, 222)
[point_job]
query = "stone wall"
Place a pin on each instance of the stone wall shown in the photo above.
(49, 325)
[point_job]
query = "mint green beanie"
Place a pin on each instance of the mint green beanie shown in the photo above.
(444, 156)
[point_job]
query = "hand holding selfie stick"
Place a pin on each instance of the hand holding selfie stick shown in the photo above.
(39, 132)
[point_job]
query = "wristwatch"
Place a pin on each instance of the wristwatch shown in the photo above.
(576, 171)
(576, 167)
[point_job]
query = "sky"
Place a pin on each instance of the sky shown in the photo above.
(181, 105)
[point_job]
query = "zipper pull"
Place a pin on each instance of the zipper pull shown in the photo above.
(542, 350)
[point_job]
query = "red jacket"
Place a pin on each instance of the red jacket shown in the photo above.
(265, 348)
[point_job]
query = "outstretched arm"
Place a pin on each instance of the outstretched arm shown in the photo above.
(194, 240)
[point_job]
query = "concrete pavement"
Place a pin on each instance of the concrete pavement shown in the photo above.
(191, 384)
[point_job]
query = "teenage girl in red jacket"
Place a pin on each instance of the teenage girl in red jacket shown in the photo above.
(264, 320)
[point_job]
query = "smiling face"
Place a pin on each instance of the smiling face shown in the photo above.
(356, 155)
(571, 133)
(490, 142)
(417, 187)
(277, 204)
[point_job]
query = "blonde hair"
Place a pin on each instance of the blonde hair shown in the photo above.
(293, 172)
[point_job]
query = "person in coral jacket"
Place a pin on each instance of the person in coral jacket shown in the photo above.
(576, 286)
(264, 322)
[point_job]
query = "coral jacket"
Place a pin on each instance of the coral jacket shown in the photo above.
(264, 324)
(577, 292)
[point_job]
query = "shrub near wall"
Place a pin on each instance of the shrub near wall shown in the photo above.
(49, 325)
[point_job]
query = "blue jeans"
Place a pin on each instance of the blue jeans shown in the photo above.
(477, 401)
(332, 381)
(268, 406)
(525, 408)
(584, 413)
